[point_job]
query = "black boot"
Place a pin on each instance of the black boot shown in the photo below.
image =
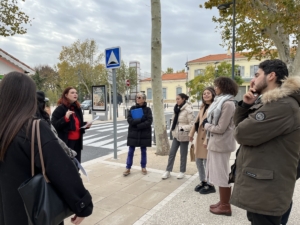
(200, 186)
(207, 189)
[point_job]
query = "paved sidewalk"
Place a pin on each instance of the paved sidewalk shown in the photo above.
(147, 199)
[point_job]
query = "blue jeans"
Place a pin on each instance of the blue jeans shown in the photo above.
(130, 157)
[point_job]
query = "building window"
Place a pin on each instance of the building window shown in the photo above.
(240, 71)
(149, 93)
(164, 90)
(199, 72)
(178, 90)
(253, 70)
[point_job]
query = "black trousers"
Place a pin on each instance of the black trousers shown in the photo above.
(285, 217)
(75, 145)
(259, 219)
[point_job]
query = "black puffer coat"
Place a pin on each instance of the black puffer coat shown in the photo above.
(139, 130)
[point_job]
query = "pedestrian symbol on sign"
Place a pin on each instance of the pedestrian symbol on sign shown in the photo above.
(113, 57)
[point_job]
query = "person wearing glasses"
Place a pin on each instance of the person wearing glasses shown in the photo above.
(139, 132)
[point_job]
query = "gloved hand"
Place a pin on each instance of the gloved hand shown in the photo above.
(204, 122)
(144, 118)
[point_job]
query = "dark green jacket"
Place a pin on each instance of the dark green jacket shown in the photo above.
(269, 134)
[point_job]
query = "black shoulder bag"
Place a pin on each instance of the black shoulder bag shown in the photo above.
(42, 203)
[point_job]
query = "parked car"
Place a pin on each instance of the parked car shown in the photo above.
(86, 105)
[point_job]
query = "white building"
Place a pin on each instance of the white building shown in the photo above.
(8, 63)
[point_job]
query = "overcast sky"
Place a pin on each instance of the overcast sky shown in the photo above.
(187, 30)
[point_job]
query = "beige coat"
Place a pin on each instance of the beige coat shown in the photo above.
(222, 135)
(185, 122)
(200, 150)
(220, 145)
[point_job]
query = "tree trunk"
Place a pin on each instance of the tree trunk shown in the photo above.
(162, 141)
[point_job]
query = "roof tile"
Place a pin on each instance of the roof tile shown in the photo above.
(216, 57)
(170, 76)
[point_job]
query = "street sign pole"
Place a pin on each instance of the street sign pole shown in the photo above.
(113, 61)
(126, 98)
(110, 108)
(115, 112)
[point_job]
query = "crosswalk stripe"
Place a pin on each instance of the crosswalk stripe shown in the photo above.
(111, 146)
(122, 130)
(110, 129)
(101, 143)
(86, 137)
(99, 127)
(86, 142)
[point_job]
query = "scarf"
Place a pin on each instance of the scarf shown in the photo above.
(73, 107)
(177, 109)
(214, 111)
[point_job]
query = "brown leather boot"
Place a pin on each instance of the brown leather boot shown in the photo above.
(215, 205)
(224, 207)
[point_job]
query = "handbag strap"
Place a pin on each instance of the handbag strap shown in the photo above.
(36, 126)
(32, 147)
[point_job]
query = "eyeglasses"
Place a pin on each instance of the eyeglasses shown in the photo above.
(139, 97)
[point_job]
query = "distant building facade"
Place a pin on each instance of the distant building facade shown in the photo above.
(172, 85)
(246, 69)
(9, 63)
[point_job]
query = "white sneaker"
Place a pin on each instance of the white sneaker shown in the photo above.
(180, 175)
(166, 175)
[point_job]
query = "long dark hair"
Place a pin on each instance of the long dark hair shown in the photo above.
(64, 101)
(18, 106)
(184, 96)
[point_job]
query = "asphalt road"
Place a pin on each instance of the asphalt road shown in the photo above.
(99, 139)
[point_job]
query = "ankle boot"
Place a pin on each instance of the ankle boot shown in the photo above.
(224, 207)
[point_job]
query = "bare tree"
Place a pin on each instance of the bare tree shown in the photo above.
(162, 140)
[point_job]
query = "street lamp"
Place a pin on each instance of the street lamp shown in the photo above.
(216, 69)
(223, 7)
(187, 76)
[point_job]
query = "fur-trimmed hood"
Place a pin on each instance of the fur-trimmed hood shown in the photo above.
(290, 87)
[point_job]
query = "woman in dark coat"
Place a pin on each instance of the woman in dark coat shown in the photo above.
(139, 133)
(18, 107)
(67, 119)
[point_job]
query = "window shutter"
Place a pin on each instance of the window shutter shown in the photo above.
(242, 71)
(251, 71)
(149, 93)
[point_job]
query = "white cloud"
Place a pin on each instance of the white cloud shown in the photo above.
(187, 30)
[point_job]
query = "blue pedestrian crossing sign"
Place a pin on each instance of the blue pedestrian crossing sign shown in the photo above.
(113, 57)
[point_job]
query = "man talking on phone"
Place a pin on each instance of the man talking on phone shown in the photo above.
(268, 130)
